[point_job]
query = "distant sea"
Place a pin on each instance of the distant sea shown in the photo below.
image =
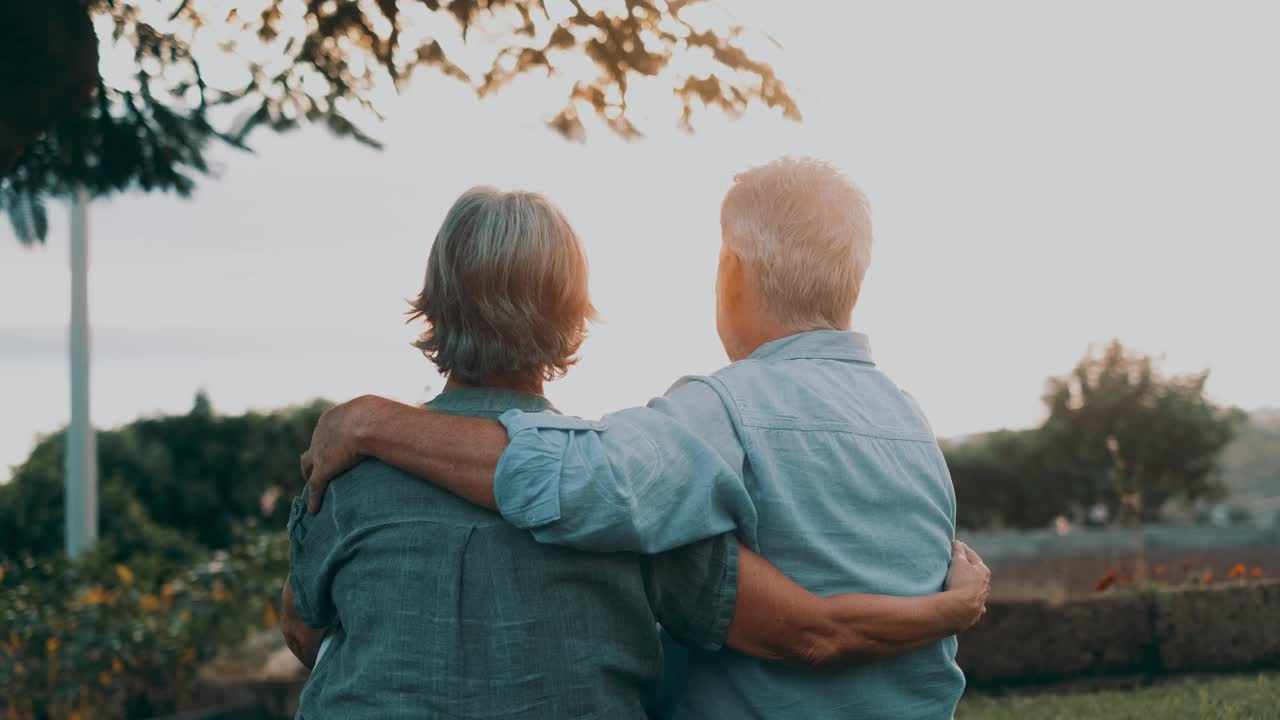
(136, 373)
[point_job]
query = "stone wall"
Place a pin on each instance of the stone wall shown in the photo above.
(1215, 629)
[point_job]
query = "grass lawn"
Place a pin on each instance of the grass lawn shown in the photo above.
(1221, 698)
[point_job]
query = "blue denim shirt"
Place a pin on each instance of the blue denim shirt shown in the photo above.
(814, 457)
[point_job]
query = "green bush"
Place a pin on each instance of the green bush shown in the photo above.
(168, 486)
(191, 560)
(104, 639)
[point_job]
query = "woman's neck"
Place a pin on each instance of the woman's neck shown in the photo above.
(499, 382)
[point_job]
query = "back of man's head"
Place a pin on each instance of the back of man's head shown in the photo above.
(803, 232)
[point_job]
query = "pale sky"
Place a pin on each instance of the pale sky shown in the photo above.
(1042, 178)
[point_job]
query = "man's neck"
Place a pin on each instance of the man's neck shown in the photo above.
(771, 332)
(517, 384)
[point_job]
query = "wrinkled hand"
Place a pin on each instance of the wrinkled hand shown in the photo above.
(333, 448)
(970, 578)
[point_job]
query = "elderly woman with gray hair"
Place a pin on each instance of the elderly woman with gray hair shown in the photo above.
(434, 607)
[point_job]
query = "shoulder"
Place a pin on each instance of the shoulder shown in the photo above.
(702, 389)
(375, 492)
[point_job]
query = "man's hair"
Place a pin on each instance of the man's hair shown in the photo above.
(506, 292)
(803, 231)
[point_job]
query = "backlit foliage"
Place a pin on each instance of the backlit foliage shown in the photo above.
(179, 74)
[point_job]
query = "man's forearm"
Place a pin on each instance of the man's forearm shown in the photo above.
(855, 628)
(459, 454)
(776, 619)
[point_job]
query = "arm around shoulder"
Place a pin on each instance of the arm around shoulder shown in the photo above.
(457, 453)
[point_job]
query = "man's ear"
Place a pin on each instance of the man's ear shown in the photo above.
(732, 276)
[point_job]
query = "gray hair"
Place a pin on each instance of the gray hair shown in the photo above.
(506, 290)
(803, 231)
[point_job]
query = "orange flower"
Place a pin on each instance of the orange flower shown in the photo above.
(116, 666)
(1107, 580)
(1207, 578)
(125, 574)
(219, 592)
(104, 678)
(150, 602)
(96, 595)
(269, 617)
(1238, 571)
(1256, 573)
(51, 645)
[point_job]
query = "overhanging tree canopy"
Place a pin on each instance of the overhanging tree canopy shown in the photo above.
(320, 61)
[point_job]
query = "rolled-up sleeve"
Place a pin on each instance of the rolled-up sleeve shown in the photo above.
(693, 590)
(643, 479)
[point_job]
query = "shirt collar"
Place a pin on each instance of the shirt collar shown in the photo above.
(818, 344)
(488, 400)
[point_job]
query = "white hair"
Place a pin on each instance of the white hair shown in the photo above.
(803, 231)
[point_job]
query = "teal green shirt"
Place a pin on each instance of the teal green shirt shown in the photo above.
(440, 609)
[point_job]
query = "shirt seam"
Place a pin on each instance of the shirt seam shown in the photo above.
(904, 437)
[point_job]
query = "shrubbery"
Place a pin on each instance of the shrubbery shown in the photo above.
(170, 486)
(99, 638)
(192, 558)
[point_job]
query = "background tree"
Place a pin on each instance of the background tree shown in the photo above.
(1134, 438)
(282, 63)
(1119, 434)
(1001, 481)
(172, 486)
(48, 68)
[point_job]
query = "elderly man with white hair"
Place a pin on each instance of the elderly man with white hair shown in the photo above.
(802, 446)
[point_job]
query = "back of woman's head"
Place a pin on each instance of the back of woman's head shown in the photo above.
(506, 293)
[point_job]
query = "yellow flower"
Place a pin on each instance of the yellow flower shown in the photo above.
(150, 602)
(269, 617)
(96, 595)
(126, 575)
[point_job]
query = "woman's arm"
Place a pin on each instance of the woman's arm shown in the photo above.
(303, 640)
(776, 619)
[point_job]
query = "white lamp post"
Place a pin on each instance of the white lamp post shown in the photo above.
(82, 455)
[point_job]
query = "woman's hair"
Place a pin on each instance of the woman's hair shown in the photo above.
(506, 290)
